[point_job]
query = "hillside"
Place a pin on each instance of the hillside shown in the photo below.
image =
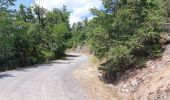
(149, 83)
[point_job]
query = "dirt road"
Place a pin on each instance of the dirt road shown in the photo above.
(53, 81)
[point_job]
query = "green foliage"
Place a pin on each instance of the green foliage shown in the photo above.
(46, 54)
(32, 35)
(61, 35)
(136, 34)
(6, 39)
(167, 3)
(4, 4)
(78, 34)
(126, 33)
(119, 59)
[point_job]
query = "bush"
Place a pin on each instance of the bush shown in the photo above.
(131, 35)
(119, 59)
(32, 35)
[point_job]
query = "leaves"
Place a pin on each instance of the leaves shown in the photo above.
(31, 35)
(125, 33)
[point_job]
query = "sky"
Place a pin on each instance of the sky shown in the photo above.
(25, 2)
(79, 8)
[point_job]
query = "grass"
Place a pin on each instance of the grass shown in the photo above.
(94, 59)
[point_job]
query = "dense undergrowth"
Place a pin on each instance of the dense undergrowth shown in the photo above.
(126, 33)
(31, 35)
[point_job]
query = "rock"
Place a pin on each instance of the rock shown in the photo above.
(133, 89)
(130, 87)
(124, 86)
(134, 82)
(100, 76)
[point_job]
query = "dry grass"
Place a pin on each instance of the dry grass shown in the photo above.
(160, 80)
(94, 60)
(97, 90)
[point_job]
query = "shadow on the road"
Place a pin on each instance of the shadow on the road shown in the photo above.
(59, 62)
(5, 75)
(69, 55)
(67, 59)
(26, 69)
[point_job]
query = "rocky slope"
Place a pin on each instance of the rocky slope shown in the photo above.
(150, 83)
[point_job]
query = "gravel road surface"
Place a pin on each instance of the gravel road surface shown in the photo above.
(53, 81)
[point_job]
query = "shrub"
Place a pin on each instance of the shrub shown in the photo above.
(119, 59)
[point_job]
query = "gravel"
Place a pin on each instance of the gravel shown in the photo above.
(52, 81)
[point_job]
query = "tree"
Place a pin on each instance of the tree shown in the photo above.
(6, 34)
(126, 33)
(40, 13)
(167, 3)
(78, 33)
(32, 35)
(4, 4)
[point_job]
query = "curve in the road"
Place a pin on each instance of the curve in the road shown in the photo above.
(53, 81)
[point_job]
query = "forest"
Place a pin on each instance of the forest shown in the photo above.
(125, 33)
(31, 35)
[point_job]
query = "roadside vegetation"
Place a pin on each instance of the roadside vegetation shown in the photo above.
(126, 33)
(31, 35)
(167, 3)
